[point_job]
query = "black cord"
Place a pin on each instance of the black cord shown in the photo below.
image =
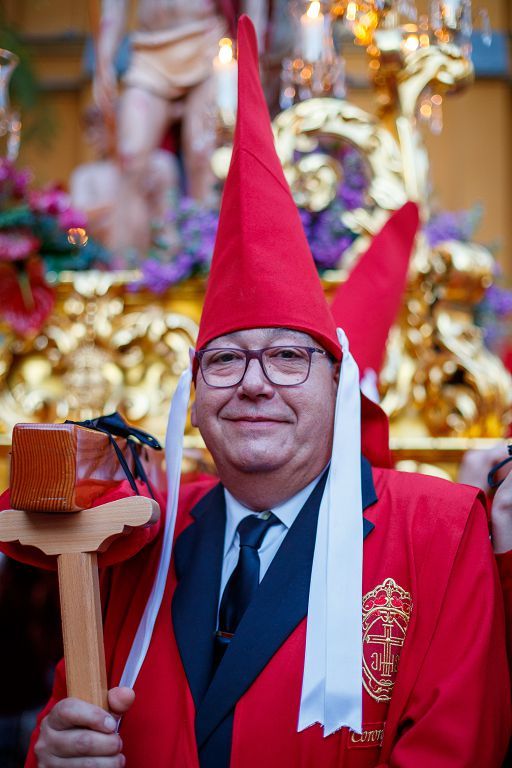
(490, 477)
(114, 425)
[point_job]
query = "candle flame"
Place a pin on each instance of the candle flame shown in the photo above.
(314, 10)
(364, 28)
(351, 11)
(411, 42)
(225, 50)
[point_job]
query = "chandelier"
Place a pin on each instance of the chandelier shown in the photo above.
(389, 29)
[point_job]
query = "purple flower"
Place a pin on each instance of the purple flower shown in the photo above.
(158, 276)
(13, 183)
(17, 245)
(51, 200)
(20, 183)
(6, 171)
(352, 197)
(71, 218)
(450, 225)
(498, 301)
(329, 255)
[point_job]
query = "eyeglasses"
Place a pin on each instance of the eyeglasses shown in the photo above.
(284, 366)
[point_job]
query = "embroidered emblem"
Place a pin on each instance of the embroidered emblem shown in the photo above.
(386, 613)
(370, 737)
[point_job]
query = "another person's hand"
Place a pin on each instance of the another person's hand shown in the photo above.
(73, 732)
(474, 469)
(476, 465)
(501, 516)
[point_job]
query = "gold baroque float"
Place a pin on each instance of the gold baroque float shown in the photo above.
(439, 380)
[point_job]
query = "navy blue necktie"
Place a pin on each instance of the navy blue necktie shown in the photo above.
(244, 580)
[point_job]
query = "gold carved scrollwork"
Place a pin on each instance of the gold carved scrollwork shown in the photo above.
(300, 128)
(104, 348)
(443, 68)
(439, 378)
(440, 66)
(460, 387)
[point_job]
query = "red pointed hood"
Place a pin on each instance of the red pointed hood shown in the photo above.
(262, 272)
(367, 304)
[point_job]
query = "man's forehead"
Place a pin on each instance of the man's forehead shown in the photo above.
(263, 336)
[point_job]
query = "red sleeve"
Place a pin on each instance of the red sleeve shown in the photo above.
(121, 549)
(192, 487)
(458, 713)
(504, 562)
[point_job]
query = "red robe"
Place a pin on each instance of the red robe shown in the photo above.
(504, 561)
(436, 690)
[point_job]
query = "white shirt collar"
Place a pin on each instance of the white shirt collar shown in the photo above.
(287, 511)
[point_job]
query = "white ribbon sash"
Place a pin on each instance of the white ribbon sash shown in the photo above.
(173, 454)
(332, 682)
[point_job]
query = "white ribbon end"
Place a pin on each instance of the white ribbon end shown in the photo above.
(343, 340)
(353, 724)
(303, 725)
(370, 385)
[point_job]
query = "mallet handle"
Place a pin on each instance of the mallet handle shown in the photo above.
(75, 539)
(82, 627)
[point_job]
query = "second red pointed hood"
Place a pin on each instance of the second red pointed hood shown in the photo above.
(367, 304)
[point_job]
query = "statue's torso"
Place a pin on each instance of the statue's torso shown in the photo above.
(155, 15)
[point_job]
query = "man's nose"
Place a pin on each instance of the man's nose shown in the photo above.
(254, 382)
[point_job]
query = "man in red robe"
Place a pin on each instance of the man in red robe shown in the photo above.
(318, 610)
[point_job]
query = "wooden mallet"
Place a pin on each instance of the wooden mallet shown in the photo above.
(75, 538)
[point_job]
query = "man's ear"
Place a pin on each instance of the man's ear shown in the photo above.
(336, 372)
(193, 414)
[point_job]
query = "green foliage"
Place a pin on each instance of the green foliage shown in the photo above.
(25, 90)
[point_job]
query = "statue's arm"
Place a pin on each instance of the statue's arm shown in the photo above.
(108, 39)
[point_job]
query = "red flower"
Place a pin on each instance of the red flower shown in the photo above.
(54, 201)
(26, 300)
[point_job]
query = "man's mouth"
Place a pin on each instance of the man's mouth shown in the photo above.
(256, 419)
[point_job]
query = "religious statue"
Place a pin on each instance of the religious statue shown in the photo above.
(169, 79)
(94, 188)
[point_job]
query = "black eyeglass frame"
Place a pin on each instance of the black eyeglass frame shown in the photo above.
(257, 354)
